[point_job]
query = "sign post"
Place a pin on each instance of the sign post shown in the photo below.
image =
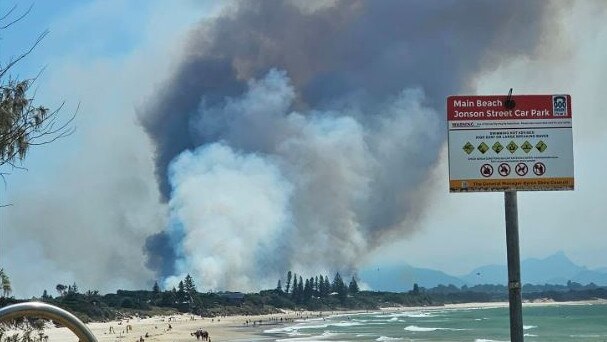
(518, 143)
(514, 267)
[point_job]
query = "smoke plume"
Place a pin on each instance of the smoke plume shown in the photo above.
(300, 136)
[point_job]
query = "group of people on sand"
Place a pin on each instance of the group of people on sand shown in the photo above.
(129, 328)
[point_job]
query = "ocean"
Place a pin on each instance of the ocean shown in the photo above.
(578, 322)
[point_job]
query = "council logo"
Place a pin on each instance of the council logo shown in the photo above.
(559, 105)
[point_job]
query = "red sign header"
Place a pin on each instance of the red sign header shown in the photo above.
(492, 107)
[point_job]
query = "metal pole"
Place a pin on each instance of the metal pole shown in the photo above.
(43, 310)
(514, 267)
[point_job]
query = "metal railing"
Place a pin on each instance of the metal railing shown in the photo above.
(47, 311)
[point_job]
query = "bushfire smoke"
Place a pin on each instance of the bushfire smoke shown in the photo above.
(298, 135)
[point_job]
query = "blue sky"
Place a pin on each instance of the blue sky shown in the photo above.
(109, 56)
(83, 33)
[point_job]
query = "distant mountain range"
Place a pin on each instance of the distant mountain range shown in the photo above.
(555, 269)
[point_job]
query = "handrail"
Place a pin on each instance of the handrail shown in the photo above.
(47, 311)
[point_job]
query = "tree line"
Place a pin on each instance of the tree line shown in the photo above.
(301, 291)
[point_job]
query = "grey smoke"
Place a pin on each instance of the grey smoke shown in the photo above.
(329, 118)
(363, 49)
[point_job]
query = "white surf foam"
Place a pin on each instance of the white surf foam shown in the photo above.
(426, 329)
(386, 338)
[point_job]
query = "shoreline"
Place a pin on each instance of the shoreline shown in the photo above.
(240, 328)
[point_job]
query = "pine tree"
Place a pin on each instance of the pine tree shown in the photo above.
(300, 290)
(188, 285)
(321, 286)
(327, 287)
(300, 286)
(306, 290)
(338, 283)
(294, 290)
(353, 288)
(156, 288)
(288, 281)
(339, 287)
(279, 286)
(180, 290)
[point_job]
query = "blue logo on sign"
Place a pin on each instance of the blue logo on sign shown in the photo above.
(559, 105)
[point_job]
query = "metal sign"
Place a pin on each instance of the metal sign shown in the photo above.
(528, 146)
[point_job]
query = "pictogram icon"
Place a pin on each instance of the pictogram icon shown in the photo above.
(526, 146)
(503, 169)
(541, 146)
(512, 147)
(483, 147)
(486, 170)
(521, 169)
(468, 148)
(539, 168)
(497, 147)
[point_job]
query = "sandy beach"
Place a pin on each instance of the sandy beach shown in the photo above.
(228, 328)
(233, 328)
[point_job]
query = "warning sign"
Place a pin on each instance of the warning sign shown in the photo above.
(497, 147)
(539, 168)
(483, 148)
(486, 170)
(526, 146)
(512, 147)
(494, 148)
(468, 148)
(521, 169)
(504, 169)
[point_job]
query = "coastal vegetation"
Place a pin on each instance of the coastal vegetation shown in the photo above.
(315, 293)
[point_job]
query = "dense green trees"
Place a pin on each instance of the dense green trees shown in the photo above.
(302, 291)
(313, 293)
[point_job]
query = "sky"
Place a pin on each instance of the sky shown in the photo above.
(340, 108)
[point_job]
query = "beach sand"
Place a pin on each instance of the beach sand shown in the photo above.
(229, 328)
(233, 328)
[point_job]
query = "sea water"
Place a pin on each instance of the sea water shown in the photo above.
(584, 322)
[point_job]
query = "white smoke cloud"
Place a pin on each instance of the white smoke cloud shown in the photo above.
(280, 189)
(230, 207)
